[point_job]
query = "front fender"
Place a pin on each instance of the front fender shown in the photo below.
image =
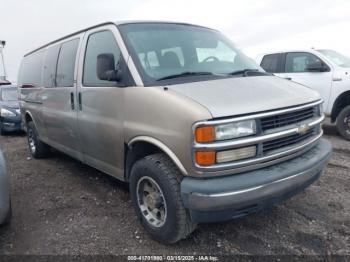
(161, 146)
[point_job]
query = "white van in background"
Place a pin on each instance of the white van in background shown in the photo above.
(325, 71)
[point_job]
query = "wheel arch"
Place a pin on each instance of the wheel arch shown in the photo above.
(141, 146)
(342, 101)
(28, 117)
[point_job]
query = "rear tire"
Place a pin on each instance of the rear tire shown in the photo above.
(343, 123)
(37, 148)
(155, 192)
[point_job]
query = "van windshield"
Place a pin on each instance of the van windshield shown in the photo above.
(336, 58)
(176, 51)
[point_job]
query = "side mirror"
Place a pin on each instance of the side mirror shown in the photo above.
(105, 68)
(317, 67)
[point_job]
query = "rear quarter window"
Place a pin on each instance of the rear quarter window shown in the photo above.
(31, 69)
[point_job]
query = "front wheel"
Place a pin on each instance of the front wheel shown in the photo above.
(155, 192)
(343, 123)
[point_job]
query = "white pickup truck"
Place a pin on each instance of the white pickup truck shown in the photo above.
(325, 71)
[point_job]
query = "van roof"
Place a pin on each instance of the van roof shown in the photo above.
(111, 23)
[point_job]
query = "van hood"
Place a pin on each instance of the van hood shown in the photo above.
(243, 95)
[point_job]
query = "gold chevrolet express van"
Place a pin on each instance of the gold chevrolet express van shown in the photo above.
(199, 131)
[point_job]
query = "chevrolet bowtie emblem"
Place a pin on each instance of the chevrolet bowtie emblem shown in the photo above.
(302, 129)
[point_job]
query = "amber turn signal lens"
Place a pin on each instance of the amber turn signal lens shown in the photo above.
(205, 134)
(206, 158)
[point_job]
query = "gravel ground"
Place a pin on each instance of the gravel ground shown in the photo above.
(61, 206)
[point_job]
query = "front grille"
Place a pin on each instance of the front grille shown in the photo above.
(287, 141)
(287, 119)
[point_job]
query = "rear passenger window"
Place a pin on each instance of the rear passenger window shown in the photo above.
(50, 66)
(66, 63)
(99, 43)
(30, 73)
(271, 63)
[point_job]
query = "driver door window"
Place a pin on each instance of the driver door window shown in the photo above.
(99, 43)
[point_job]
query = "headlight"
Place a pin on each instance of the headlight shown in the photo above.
(235, 130)
(210, 133)
(6, 113)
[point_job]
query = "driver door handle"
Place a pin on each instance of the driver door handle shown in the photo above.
(287, 78)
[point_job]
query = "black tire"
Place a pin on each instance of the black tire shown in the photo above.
(37, 148)
(343, 123)
(177, 224)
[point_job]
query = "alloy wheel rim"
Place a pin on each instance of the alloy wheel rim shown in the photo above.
(31, 140)
(151, 201)
(347, 124)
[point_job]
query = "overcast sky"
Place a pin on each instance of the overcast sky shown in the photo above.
(255, 26)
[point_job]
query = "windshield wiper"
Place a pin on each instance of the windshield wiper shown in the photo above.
(245, 72)
(184, 74)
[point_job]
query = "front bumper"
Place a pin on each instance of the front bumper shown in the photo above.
(224, 198)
